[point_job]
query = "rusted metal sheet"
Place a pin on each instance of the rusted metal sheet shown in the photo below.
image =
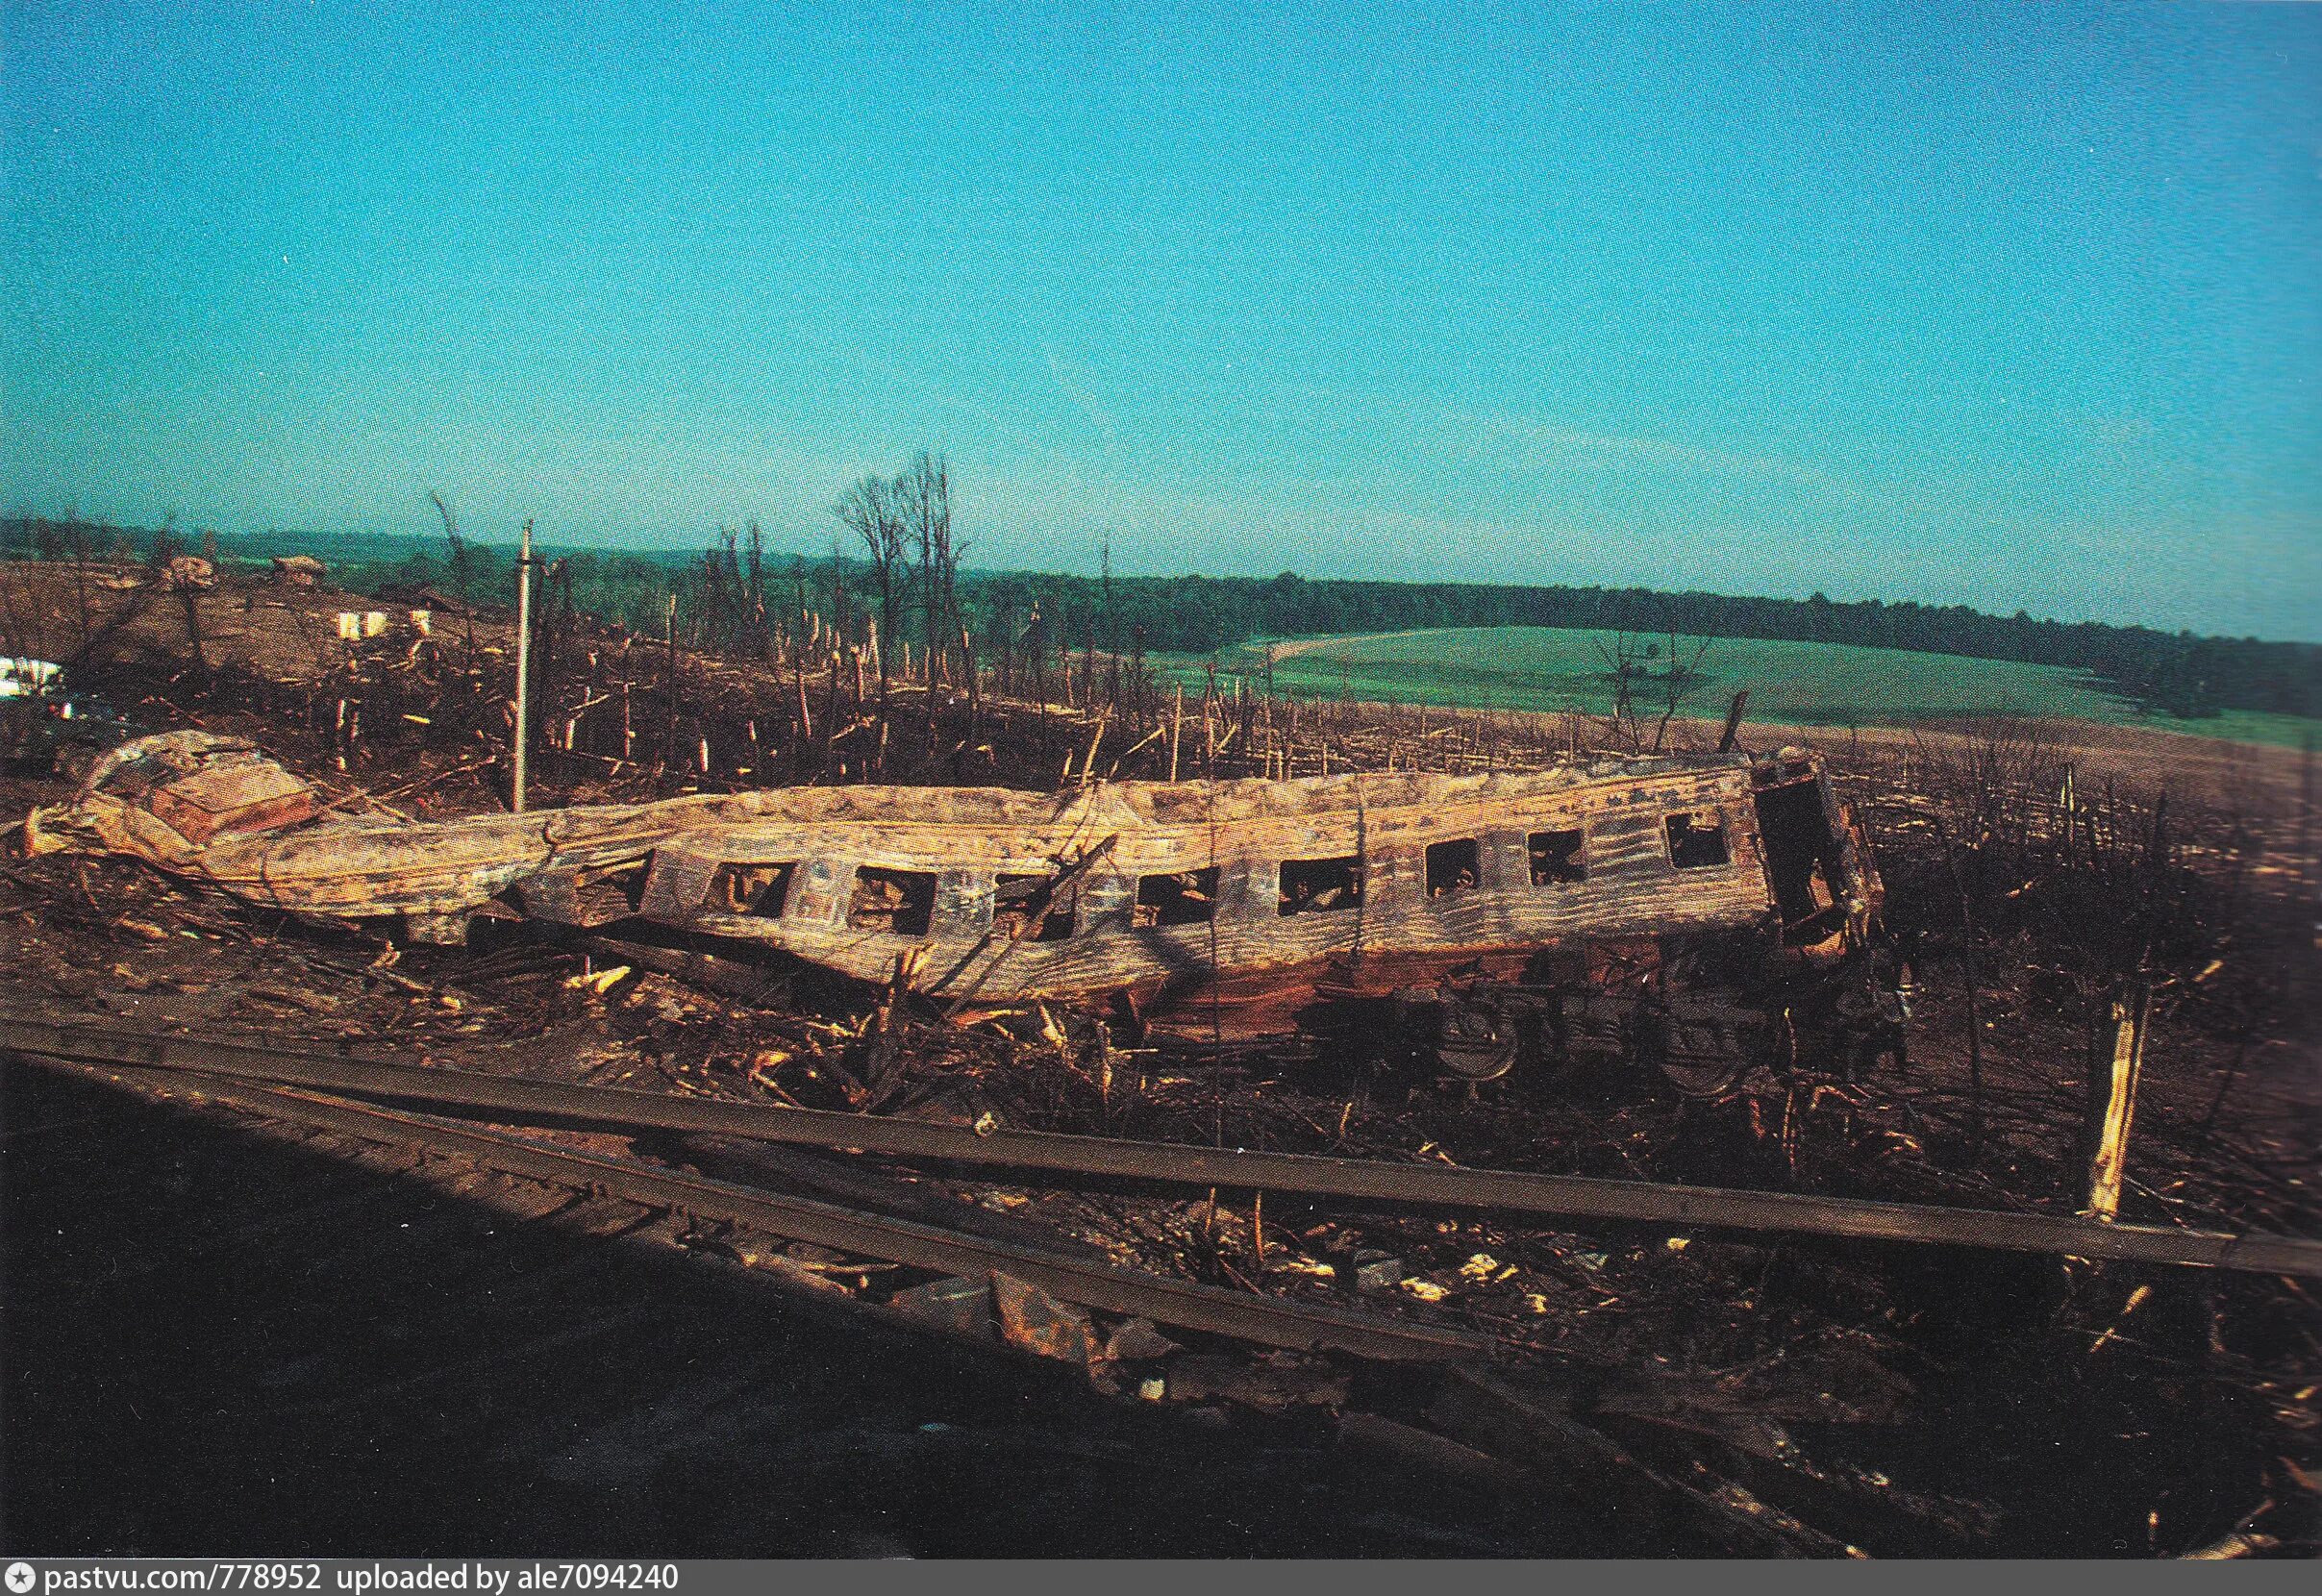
(1032, 1319)
(177, 794)
(1157, 886)
(254, 798)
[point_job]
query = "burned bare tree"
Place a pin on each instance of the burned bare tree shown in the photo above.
(758, 639)
(1625, 669)
(460, 562)
(77, 550)
(922, 496)
(1111, 627)
(873, 512)
(1001, 634)
(1628, 661)
(724, 612)
(1682, 677)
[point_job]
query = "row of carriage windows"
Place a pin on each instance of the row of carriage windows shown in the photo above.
(1030, 907)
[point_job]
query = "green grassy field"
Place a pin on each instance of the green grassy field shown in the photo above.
(1789, 682)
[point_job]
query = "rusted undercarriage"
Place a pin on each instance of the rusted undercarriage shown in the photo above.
(1697, 913)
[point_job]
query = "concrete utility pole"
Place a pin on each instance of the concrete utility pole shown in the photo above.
(523, 667)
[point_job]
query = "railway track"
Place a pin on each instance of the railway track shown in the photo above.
(623, 1203)
(392, 1121)
(226, 1325)
(1510, 1192)
(1178, 1302)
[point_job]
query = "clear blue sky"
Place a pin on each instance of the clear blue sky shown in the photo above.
(2017, 306)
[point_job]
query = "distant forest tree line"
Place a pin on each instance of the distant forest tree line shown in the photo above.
(727, 593)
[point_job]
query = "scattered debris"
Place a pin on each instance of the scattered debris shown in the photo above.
(1032, 1319)
(1721, 1393)
(957, 1306)
(1280, 1382)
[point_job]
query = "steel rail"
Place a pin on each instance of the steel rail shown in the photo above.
(1182, 1303)
(1559, 1196)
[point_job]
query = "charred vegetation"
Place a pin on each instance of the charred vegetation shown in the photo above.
(2039, 898)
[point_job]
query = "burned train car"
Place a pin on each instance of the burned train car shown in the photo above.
(1694, 912)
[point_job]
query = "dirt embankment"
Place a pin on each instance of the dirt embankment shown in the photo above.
(279, 630)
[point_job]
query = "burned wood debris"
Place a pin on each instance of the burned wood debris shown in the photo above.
(1684, 1384)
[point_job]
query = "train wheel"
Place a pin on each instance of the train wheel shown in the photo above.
(1477, 1044)
(1700, 1055)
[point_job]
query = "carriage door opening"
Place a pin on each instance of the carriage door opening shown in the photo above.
(1802, 861)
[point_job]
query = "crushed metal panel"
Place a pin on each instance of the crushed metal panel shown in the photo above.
(24, 677)
(957, 1306)
(249, 798)
(593, 895)
(1032, 1319)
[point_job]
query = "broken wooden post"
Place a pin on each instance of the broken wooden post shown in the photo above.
(2067, 803)
(1733, 721)
(185, 583)
(908, 963)
(523, 670)
(2112, 1102)
(1089, 763)
(975, 689)
(830, 716)
(2305, 793)
(1975, 1017)
(669, 726)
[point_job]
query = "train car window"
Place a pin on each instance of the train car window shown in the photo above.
(1697, 839)
(1556, 857)
(741, 888)
(900, 901)
(1029, 908)
(1187, 898)
(610, 893)
(1315, 886)
(1454, 866)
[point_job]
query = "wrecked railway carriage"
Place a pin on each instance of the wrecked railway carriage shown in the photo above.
(1697, 913)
